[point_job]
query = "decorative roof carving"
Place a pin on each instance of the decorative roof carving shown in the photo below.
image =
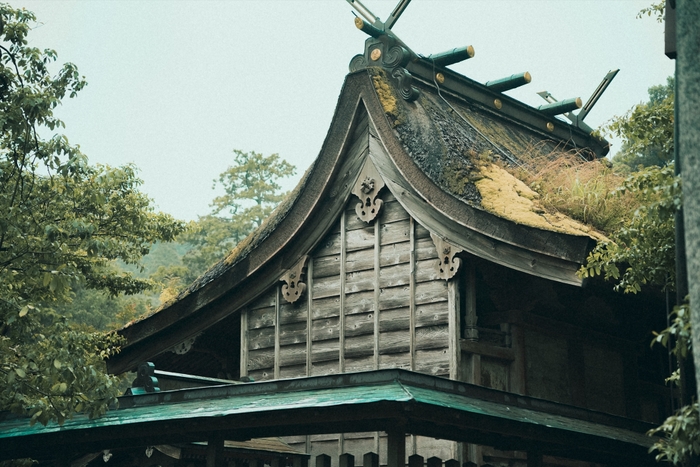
(294, 286)
(448, 264)
(367, 187)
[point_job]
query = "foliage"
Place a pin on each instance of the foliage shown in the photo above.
(584, 190)
(50, 370)
(655, 9)
(63, 223)
(680, 436)
(647, 130)
(643, 246)
(251, 192)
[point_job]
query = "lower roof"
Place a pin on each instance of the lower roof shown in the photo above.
(381, 400)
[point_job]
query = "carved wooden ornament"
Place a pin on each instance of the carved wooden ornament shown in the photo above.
(185, 346)
(367, 187)
(294, 286)
(448, 264)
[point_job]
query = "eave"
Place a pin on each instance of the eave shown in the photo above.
(383, 400)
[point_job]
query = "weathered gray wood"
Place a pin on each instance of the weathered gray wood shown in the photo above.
(359, 324)
(292, 355)
(294, 333)
(261, 338)
(325, 329)
(243, 360)
(265, 300)
(259, 359)
(433, 337)
(395, 276)
(293, 312)
(359, 363)
(261, 317)
(394, 342)
(471, 332)
(360, 346)
(433, 362)
(325, 266)
(432, 314)
(326, 367)
(325, 351)
(395, 360)
(329, 246)
(361, 302)
(277, 333)
(397, 319)
(343, 279)
(426, 292)
(295, 371)
(326, 287)
(412, 289)
(454, 326)
(360, 281)
(360, 239)
(395, 232)
(375, 314)
(309, 323)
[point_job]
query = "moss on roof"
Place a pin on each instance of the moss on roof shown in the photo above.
(506, 196)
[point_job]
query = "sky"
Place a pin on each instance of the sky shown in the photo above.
(175, 85)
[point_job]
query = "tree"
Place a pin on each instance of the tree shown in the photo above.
(251, 192)
(647, 130)
(63, 223)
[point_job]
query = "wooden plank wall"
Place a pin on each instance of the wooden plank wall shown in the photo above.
(390, 266)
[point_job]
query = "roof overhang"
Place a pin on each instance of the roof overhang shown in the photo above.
(382, 400)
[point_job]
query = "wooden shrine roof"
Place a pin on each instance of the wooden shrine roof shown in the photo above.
(442, 157)
(382, 400)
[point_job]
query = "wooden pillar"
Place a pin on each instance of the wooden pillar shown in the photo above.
(323, 460)
(215, 451)
(370, 459)
(395, 449)
(415, 461)
(346, 460)
(434, 462)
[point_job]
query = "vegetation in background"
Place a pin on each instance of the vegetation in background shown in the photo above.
(63, 225)
(251, 192)
(647, 130)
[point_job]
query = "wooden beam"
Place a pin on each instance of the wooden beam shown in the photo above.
(396, 449)
(215, 451)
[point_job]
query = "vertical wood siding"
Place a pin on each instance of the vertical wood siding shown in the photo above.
(358, 269)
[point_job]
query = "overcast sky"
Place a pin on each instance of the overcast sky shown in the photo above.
(175, 85)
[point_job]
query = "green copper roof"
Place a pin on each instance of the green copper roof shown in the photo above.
(378, 400)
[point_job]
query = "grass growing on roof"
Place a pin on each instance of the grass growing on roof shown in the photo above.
(508, 197)
(584, 190)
